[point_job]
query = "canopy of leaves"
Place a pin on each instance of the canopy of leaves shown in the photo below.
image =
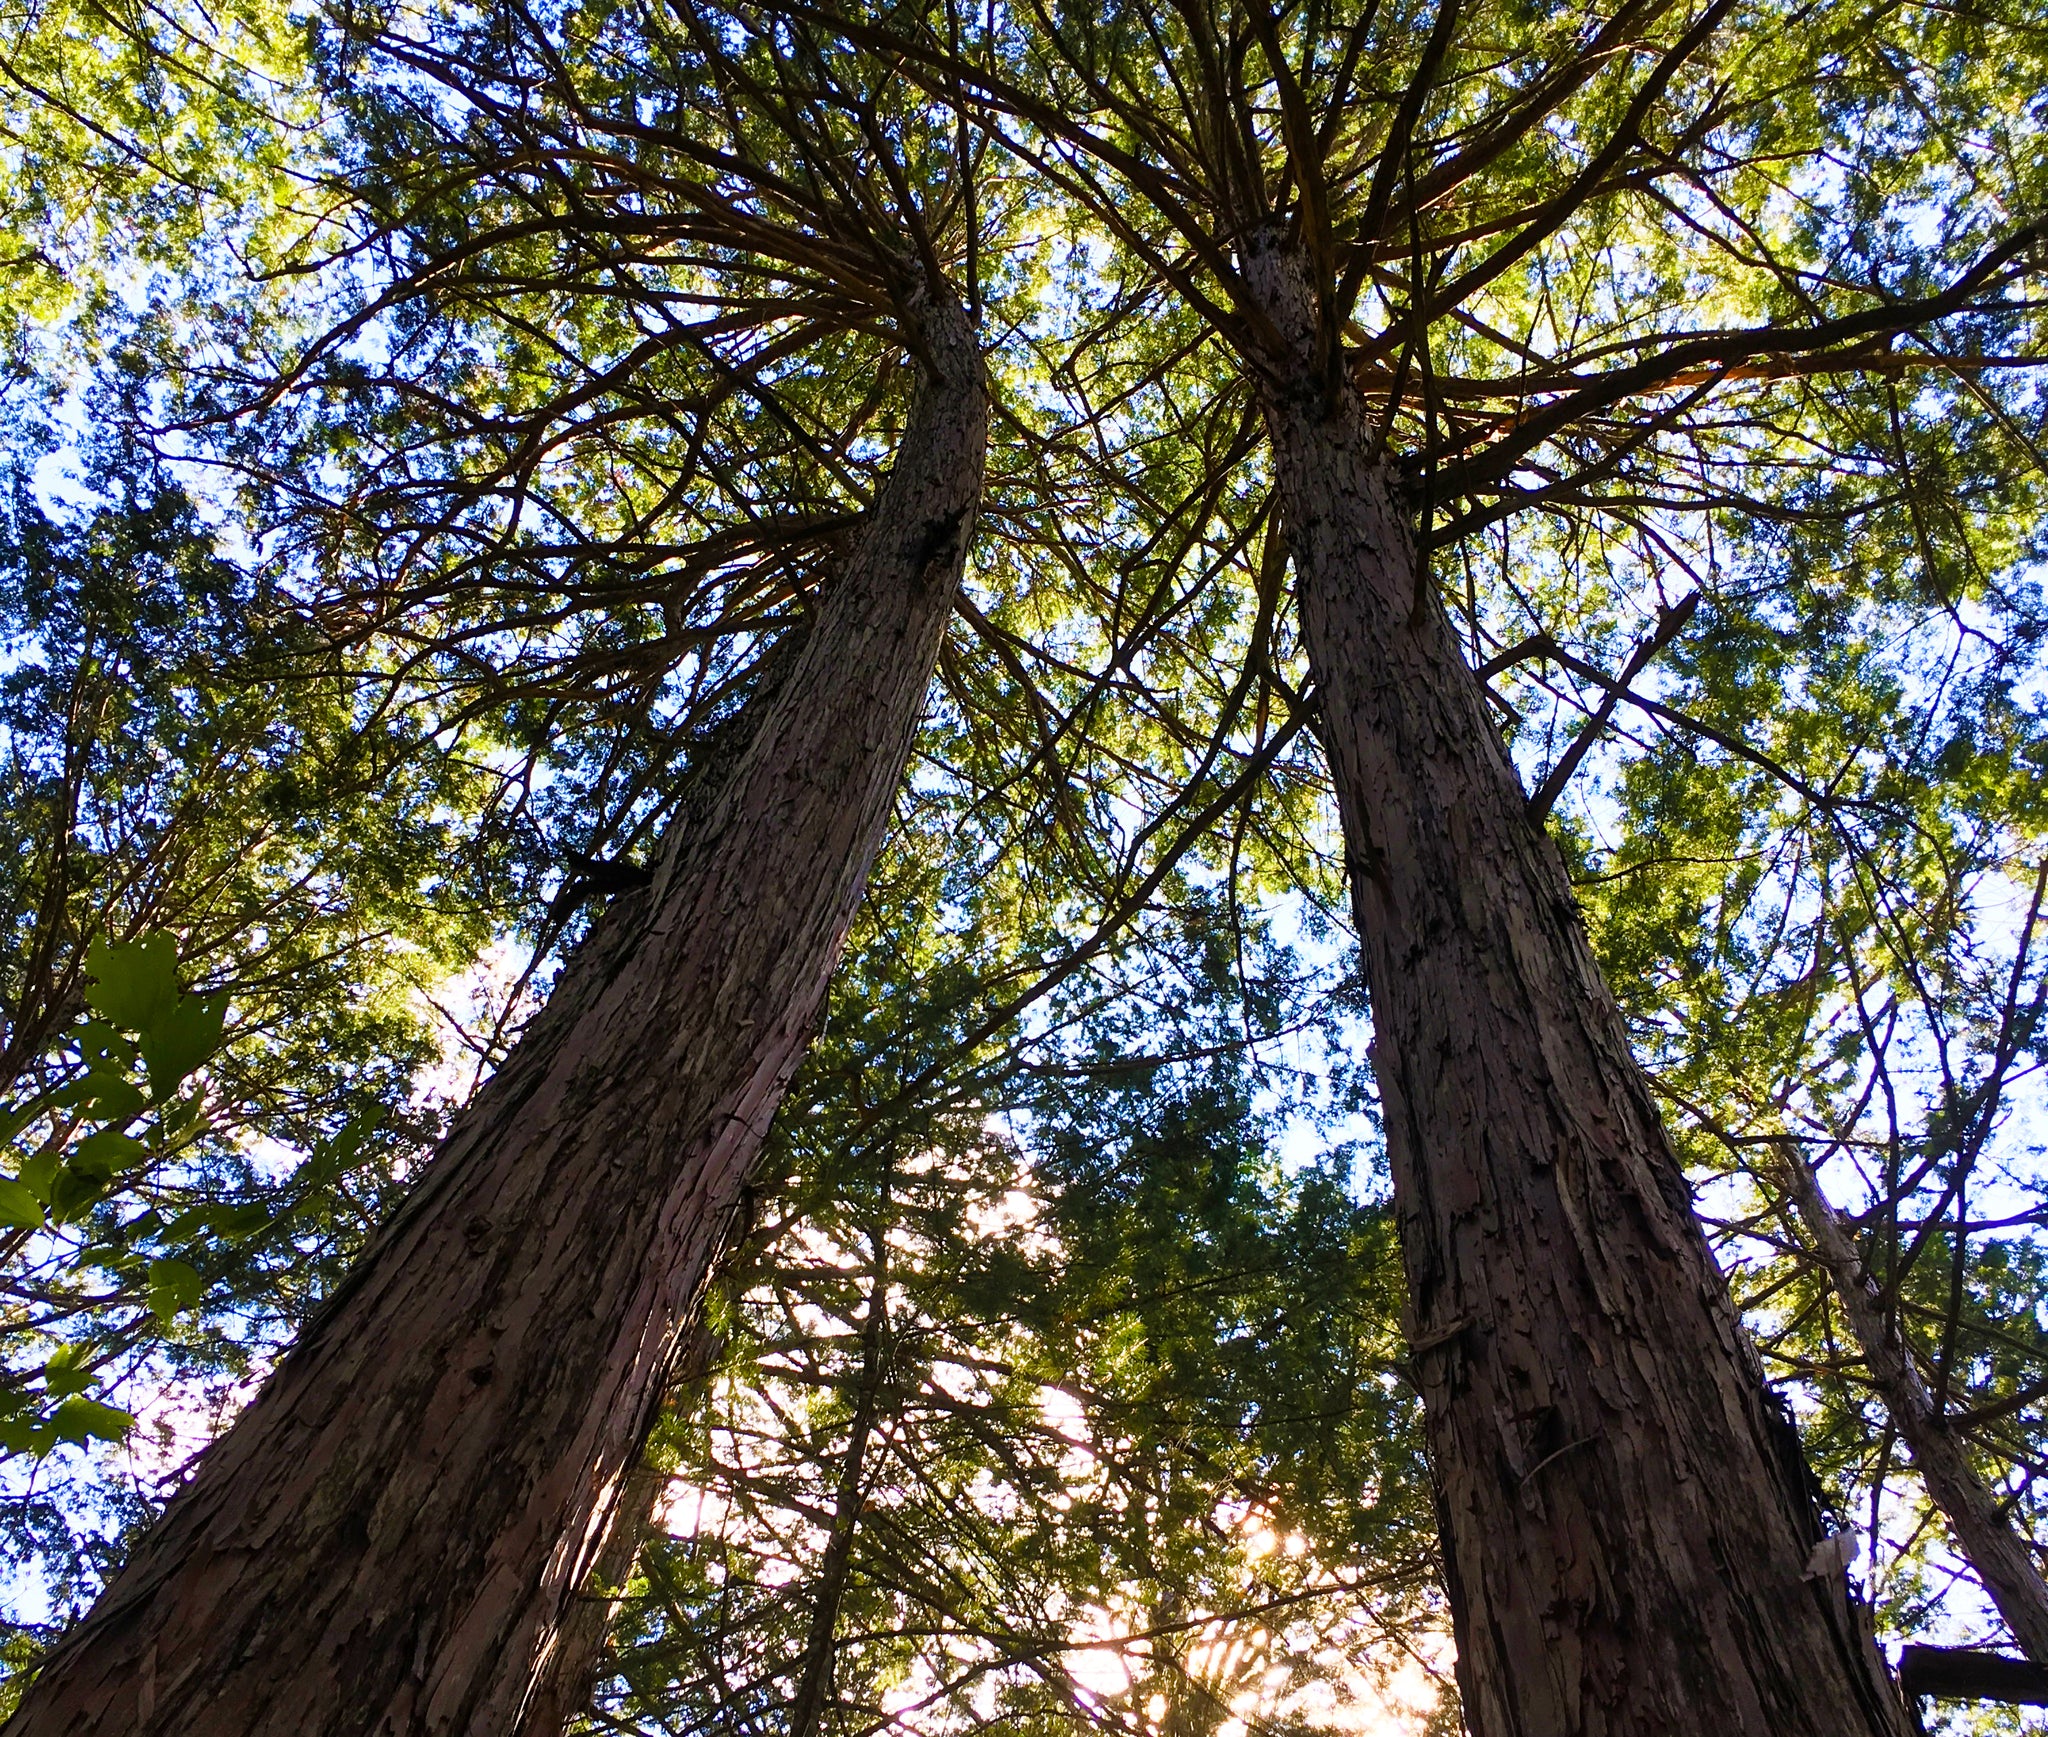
(225, 899)
(533, 372)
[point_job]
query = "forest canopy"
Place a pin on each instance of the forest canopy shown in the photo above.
(1182, 558)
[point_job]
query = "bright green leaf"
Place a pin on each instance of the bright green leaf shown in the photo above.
(66, 1372)
(134, 983)
(181, 1040)
(107, 1153)
(104, 1047)
(19, 1206)
(173, 1286)
(106, 1096)
(82, 1420)
(39, 1173)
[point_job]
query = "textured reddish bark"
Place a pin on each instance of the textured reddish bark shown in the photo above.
(387, 1538)
(568, 1685)
(1625, 1541)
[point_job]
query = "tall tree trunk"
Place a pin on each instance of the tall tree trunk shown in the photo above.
(1997, 1552)
(1626, 1547)
(386, 1539)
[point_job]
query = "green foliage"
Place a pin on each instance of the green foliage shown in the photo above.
(64, 1164)
(224, 890)
(577, 366)
(150, 148)
(1136, 1434)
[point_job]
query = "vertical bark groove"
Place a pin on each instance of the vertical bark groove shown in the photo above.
(1626, 1553)
(386, 1539)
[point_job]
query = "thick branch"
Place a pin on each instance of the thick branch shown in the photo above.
(1961, 1674)
(2000, 1556)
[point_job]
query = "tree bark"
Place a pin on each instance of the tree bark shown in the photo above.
(1964, 1674)
(569, 1684)
(1971, 1507)
(386, 1539)
(1625, 1545)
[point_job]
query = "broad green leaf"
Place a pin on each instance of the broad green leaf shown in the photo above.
(19, 1206)
(105, 1048)
(39, 1173)
(188, 1223)
(174, 1286)
(349, 1141)
(64, 1373)
(180, 1118)
(182, 1040)
(107, 1153)
(134, 983)
(105, 1096)
(237, 1222)
(231, 1222)
(71, 1193)
(82, 1420)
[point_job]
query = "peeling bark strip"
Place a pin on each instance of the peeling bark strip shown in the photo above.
(386, 1540)
(1625, 1551)
(1971, 1507)
(569, 1684)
